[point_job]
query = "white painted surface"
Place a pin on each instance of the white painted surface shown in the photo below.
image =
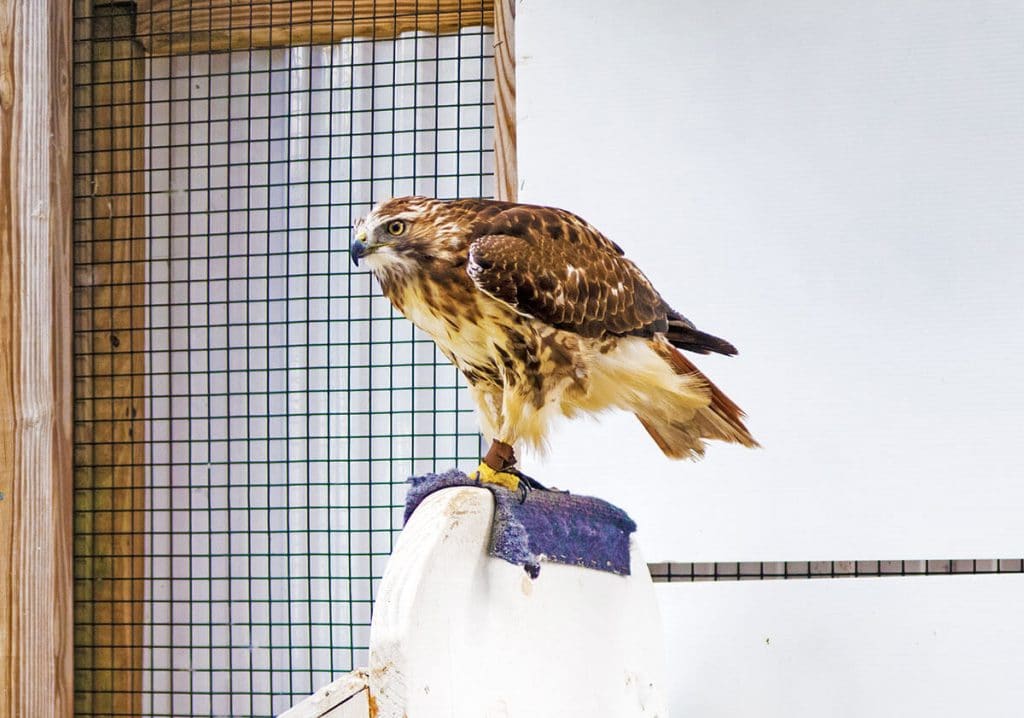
(936, 646)
(838, 188)
(346, 697)
(459, 634)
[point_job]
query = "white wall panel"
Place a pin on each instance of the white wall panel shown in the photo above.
(936, 646)
(838, 189)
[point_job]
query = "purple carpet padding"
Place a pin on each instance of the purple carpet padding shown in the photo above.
(546, 526)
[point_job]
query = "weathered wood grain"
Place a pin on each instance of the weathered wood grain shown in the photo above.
(183, 26)
(506, 178)
(35, 359)
(109, 325)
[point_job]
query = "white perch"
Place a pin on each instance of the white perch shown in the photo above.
(459, 634)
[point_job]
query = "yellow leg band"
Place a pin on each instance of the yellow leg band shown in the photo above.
(488, 475)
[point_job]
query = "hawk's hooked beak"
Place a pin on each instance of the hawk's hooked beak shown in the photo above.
(360, 248)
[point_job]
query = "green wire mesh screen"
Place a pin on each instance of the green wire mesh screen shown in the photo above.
(247, 406)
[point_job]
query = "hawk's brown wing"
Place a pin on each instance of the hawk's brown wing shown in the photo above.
(552, 265)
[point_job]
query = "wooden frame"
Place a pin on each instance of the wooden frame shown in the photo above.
(177, 27)
(109, 321)
(35, 301)
(35, 359)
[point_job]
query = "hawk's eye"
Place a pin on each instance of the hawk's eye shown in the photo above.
(396, 228)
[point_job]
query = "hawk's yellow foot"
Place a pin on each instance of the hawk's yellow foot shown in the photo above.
(487, 475)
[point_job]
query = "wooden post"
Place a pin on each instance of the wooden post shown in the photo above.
(109, 341)
(35, 359)
(506, 178)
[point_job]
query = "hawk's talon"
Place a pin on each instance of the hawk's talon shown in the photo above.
(524, 488)
(527, 484)
(531, 483)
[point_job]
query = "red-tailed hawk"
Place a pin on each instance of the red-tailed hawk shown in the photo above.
(544, 316)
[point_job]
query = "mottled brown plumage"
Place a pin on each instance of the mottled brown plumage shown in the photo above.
(544, 315)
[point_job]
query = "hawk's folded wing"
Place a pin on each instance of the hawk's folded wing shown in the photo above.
(552, 265)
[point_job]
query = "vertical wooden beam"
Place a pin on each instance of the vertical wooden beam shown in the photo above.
(35, 359)
(109, 324)
(506, 177)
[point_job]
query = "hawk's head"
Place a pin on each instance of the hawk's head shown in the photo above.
(400, 235)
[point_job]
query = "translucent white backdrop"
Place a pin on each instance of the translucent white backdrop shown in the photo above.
(837, 188)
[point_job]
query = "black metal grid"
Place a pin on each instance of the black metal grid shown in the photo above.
(283, 403)
(678, 572)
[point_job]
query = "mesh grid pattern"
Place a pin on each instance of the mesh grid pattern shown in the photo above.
(682, 572)
(277, 402)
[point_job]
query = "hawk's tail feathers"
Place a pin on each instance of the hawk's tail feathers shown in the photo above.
(683, 335)
(721, 419)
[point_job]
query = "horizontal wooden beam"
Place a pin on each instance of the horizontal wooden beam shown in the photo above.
(190, 26)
